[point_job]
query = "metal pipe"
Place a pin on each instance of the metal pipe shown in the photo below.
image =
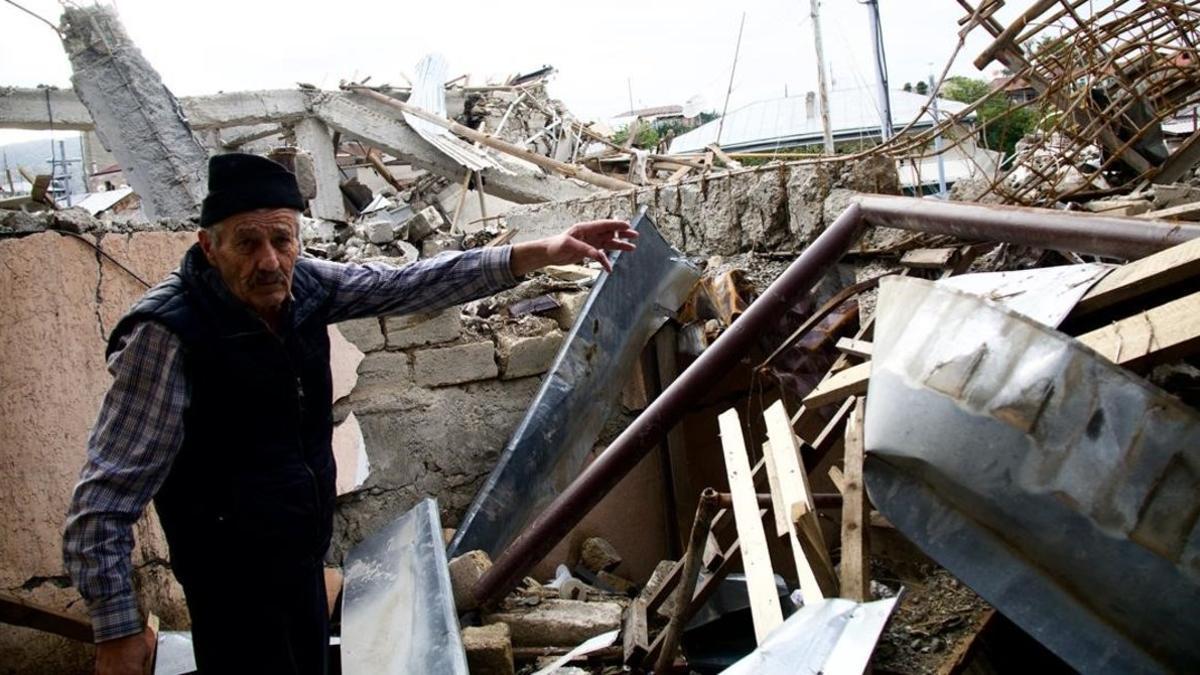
(653, 424)
(1112, 236)
(1098, 235)
(705, 511)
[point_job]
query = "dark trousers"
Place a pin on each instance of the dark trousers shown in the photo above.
(253, 623)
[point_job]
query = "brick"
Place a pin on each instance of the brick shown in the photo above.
(569, 307)
(455, 365)
(526, 356)
(417, 330)
(489, 649)
(385, 368)
(363, 333)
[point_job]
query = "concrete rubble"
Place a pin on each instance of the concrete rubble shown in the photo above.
(807, 528)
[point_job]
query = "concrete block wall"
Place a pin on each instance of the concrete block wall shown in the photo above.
(778, 207)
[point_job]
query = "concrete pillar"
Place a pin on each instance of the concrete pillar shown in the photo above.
(313, 137)
(135, 114)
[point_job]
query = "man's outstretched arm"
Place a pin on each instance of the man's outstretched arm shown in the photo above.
(453, 278)
(137, 435)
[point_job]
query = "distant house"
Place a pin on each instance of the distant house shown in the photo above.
(794, 122)
(1018, 90)
(779, 124)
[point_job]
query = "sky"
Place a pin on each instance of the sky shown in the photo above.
(655, 52)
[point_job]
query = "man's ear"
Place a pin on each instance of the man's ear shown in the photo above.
(208, 242)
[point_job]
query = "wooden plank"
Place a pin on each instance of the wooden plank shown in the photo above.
(855, 568)
(929, 258)
(814, 567)
(859, 348)
(725, 159)
(844, 384)
(838, 478)
(19, 612)
(1181, 212)
(756, 559)
(1163, 333)
(635, 633)
(1176, 265)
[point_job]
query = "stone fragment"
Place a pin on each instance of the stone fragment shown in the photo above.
(431, 246)
(415, 330)
(558, 623)
(365, 334)
(379, 231)
(527, 356)
(74, 220)
(569, 307)
(424, 223)
(489, 649)
(19, 221)
(384, 368)
(598, 555)
(465, 571)
(455, 365)
(617, 583)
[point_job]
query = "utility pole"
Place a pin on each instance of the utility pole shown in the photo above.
(732, 69)
(937, 141)
(822, 87)
(881, 76)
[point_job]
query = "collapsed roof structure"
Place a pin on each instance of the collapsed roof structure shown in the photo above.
(887, 395)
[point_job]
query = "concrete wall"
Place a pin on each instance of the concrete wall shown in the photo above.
(780, 207)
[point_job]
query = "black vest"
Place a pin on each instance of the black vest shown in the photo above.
(254, 481)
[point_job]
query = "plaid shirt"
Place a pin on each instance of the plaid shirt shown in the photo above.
(140, 426)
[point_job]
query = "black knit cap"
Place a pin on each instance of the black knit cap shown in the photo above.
(240, 182)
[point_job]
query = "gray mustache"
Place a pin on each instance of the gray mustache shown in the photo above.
(268, 279)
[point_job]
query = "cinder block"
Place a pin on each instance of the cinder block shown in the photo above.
(526, 356)
(363, 333)
(489, 649)
(455, 365)
(569, 307)
(563, 623)
(416, 330)
(465, 571)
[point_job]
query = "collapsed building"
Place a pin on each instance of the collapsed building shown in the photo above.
(806, 422)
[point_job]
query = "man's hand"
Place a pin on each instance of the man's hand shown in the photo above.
(581, 240)
(129, 655)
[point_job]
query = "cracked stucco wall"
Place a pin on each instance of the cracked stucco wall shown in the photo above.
(59, 303)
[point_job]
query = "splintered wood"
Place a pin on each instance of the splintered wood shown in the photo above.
(856, 569)
(794, 508)
(756, 559)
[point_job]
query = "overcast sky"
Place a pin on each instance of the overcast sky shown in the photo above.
(664, 51)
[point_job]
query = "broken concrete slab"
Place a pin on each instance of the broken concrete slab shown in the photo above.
(527, 356)
(424, 223)
(558, 623)
(360, 119)
(489, 649)
(438, 367)
(313, 137)
(136, 116)
(417, 330)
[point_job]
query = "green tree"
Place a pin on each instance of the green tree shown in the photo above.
(1002, 122)
(922, 88)
(908, 87)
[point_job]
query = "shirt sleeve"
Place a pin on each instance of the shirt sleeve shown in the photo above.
(136, 437)
(427, 285)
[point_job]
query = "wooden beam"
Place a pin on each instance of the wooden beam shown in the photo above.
(859, 348)
(635, 633)
(814, 567)
(725, 159)
(1176, 265)
(929, 258)
(1181, 212)
(19, 612)
(756, 558)
(842, 385)
(855, 568)
(1163, 333)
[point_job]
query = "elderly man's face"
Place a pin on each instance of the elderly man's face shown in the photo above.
(255, 252)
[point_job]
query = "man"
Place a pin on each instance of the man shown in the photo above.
(220, 410)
